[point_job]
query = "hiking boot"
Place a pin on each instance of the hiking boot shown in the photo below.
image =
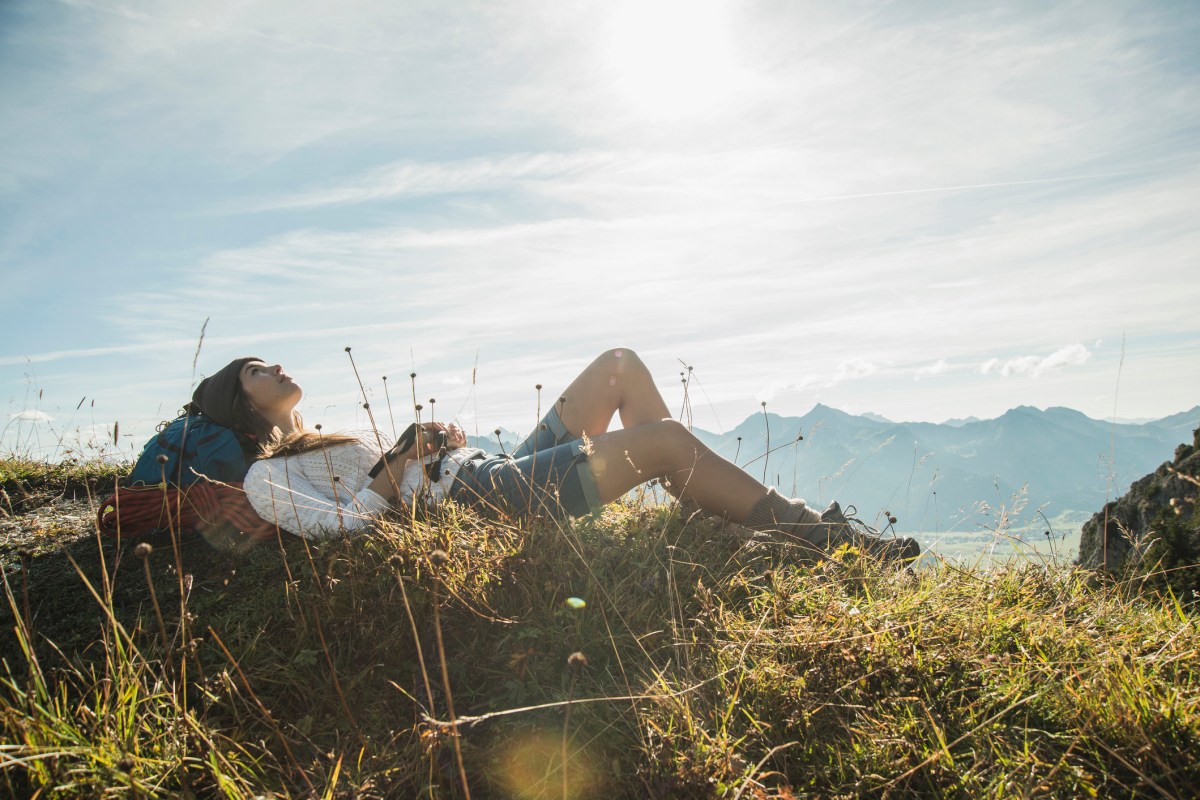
(810, 535)
(903, 549)
(856, 533)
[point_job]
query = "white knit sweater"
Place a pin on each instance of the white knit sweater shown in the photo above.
(324, 492)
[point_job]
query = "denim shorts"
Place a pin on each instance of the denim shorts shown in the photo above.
(548, 473)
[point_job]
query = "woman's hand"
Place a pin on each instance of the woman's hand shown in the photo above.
(426, 443)
(455, 437)
(391, 466)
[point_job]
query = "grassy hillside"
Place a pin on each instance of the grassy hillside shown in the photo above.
(632, 654)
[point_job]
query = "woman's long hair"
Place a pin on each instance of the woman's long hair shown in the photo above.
(257, 436)
(303, 441)
(261, 439)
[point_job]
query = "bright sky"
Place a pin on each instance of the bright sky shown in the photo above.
(921, 210)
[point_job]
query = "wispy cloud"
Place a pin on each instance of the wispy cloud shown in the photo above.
(31, 416)
(1037, 366)
(412, 179)
(849, 370)
(936, 368)
(186, 345)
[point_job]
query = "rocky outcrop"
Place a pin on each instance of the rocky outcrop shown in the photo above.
(1153, 525)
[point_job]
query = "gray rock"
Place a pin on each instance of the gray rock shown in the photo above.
(1120, 535)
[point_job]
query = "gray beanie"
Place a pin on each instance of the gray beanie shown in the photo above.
(216, 394)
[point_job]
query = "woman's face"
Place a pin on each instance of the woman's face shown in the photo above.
(269, 389)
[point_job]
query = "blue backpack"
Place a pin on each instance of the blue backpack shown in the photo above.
(193, 445)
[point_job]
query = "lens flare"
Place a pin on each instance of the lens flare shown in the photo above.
(529, 767)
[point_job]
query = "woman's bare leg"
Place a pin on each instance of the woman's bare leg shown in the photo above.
(651, 444)
(621, 460)
(617, 381)
(627, 458)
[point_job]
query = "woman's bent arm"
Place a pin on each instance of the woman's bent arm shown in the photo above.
(281, 491)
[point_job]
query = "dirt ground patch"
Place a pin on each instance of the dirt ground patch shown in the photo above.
(48, 527)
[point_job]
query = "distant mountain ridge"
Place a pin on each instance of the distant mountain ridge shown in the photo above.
(957, 474)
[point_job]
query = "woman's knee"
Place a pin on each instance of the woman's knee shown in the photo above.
(653, 448)
(620, 359)
(676, 442)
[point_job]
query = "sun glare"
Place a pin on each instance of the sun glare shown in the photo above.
(671, 58)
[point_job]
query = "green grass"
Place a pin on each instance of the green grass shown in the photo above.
(711, 671)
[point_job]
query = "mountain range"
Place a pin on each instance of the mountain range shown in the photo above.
(962, 474)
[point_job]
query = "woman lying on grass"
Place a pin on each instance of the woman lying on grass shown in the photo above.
(315, 484)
